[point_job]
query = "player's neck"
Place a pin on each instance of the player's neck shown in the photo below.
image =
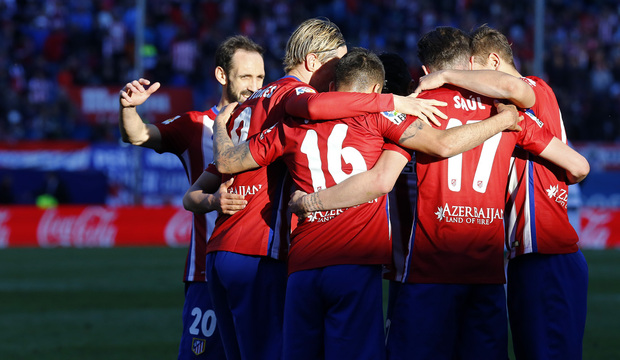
(223, 102)
(301, 73)
(510, 70)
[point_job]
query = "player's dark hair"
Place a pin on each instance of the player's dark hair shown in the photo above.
(360, 68)
(226, 50)
(445, 47)
(398, 79)
(486, 40)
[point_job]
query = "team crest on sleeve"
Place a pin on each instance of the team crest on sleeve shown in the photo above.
(198, 345)
(166, 122)
(529, 81)
(394, 116)
(532, 116)
(305, 89)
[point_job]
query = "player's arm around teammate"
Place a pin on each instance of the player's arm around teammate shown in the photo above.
(506, 84)
(494, 84)
(198, 198)
(379, 180)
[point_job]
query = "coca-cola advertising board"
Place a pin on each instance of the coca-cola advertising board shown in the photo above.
(600, 228)
(100, 226)
(94, 226)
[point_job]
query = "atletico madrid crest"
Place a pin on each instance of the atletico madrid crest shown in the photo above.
(198, 346)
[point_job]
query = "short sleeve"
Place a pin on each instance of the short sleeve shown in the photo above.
(535, 136)
(266, 146)
(176, 133)
(390, 145)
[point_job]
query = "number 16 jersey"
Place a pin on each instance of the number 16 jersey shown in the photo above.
(458, 231)
(323, 154)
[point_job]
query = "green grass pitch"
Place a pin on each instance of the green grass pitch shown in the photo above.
(125, 303)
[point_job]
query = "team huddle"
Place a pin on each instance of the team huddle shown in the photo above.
(426, 190)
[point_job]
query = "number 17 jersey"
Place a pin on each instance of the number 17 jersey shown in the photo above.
(458, 231)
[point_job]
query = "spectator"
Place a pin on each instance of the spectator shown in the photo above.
(99, 37)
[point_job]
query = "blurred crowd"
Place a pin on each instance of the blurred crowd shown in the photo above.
(48, 46)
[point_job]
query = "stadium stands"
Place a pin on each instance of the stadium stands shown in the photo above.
(50, 47)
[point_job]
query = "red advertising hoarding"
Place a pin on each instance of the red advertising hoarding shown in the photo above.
(600, 228)
(94, 226)
(100, 226)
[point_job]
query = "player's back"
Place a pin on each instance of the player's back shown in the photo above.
(258, 229)
(537, 219)
(458, 226)
(331, 152)
(321, 155)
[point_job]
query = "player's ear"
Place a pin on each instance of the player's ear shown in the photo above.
(332, 86)
(494, 60)
(472, 61)
(312, 62)
(220, 75)
(376, 88)
(426, 72)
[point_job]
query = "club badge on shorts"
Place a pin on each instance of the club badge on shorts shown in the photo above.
(198, 346)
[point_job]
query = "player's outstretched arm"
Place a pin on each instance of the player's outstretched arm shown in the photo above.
(337, 105)
(228, 158)
(200, 199)
(133, 129)
(355, 190)
(446, 143)
(491, 83)
(576, 166)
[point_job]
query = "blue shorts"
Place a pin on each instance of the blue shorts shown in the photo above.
(446, 321)
(201, 338)
(248, 298)
(335, 313)
(547, 297)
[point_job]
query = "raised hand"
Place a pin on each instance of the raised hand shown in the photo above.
(136, 92)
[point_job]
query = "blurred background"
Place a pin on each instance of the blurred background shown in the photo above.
(64, 63)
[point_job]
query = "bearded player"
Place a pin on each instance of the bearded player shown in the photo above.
(240, 71)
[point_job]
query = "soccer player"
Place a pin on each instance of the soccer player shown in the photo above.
(240, 71)
(547, 273)
(245, 262)
(542, 243)
(447, 296)
(333, 300)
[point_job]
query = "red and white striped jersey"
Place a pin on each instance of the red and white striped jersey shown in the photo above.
(190, 137)
(536, 209)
